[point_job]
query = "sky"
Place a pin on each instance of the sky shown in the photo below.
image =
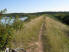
(30, 6)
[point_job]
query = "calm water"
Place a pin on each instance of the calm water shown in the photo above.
(5, 20)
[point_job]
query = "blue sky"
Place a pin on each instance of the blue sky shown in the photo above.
(34, 5)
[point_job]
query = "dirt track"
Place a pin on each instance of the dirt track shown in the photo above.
(39, 44)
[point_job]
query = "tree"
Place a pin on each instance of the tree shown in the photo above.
(3, 11)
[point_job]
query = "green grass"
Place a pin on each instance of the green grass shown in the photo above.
(55, 38)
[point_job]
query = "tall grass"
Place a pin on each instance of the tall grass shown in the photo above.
(55, 38)
(27, 35)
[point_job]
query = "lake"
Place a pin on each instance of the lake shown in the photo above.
(5, 20)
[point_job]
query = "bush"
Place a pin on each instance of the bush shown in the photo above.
(5, 36)
(63, 18)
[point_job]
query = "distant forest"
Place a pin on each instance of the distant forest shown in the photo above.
(37, 13)
(62, 16)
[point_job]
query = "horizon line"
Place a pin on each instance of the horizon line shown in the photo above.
(37, 12)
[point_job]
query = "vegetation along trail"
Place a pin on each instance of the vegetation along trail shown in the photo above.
(28, 36)
(55, 37)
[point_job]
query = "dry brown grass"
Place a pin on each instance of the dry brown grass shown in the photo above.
(29, 34)
(55, 38)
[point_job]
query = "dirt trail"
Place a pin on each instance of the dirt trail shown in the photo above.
(39, 44)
